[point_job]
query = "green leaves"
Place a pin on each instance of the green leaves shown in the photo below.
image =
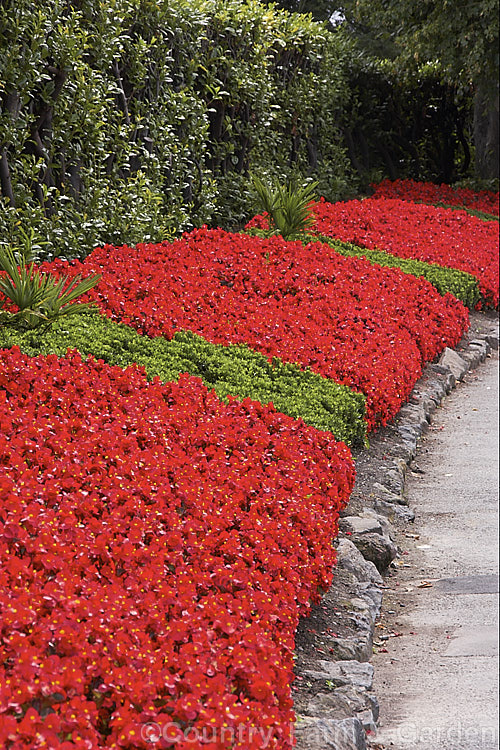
(112, 129)
(39, 297)
(463, 37)
(230, 370)
(464, 286)
(288, 206)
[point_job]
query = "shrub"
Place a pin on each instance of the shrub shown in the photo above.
(288, 207)
(37, 298)
(234, 370)
(111, 131)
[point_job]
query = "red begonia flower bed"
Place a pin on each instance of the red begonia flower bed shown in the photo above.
(443, 236)
(157, 547)
(367, 327)
(429, 192)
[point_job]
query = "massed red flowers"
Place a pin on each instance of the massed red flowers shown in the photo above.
(367, 327)
(444, 236)
(157, 547)
(429, 192)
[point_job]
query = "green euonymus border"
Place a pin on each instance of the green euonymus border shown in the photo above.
(483, 215)
(234, 370)
(464, 286)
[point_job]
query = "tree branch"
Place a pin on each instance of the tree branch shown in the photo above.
(118, 77)
(5, 180)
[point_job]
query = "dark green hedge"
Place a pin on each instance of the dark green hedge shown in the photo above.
(234, 370)
(402, 123)
(126, 121)
(129, 120)
(462, 285)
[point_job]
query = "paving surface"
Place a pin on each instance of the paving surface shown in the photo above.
(436, 670)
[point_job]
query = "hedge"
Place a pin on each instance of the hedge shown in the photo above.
(235, 370)
(462, 285)
(130, 120)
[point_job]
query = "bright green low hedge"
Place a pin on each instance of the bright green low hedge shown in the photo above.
(484, 215)
(462, 285)
(235, 370)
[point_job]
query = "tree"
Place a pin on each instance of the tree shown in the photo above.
(321, 10)
(462, 37)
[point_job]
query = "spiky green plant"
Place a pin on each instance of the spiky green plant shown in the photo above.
(288, 206)
(39, 297)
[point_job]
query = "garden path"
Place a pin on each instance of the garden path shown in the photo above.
(436, 678)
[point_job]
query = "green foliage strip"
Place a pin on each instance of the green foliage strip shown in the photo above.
(230, 370)
(464, 286)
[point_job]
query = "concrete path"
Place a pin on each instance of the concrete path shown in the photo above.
(436, 670)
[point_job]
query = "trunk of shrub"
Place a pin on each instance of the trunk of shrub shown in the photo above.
(486, 131)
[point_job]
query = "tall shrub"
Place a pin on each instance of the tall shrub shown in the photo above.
(90, 149)
(130, 120)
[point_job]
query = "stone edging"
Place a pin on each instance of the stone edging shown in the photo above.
(336, 707)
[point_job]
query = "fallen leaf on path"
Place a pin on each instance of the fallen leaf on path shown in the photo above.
(417, 470)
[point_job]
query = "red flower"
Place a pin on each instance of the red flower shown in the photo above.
(367, 327)
(447, 237)
(166, 583)
(428, 192)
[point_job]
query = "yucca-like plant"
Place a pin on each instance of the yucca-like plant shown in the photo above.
(39, 297)
(289, 206)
